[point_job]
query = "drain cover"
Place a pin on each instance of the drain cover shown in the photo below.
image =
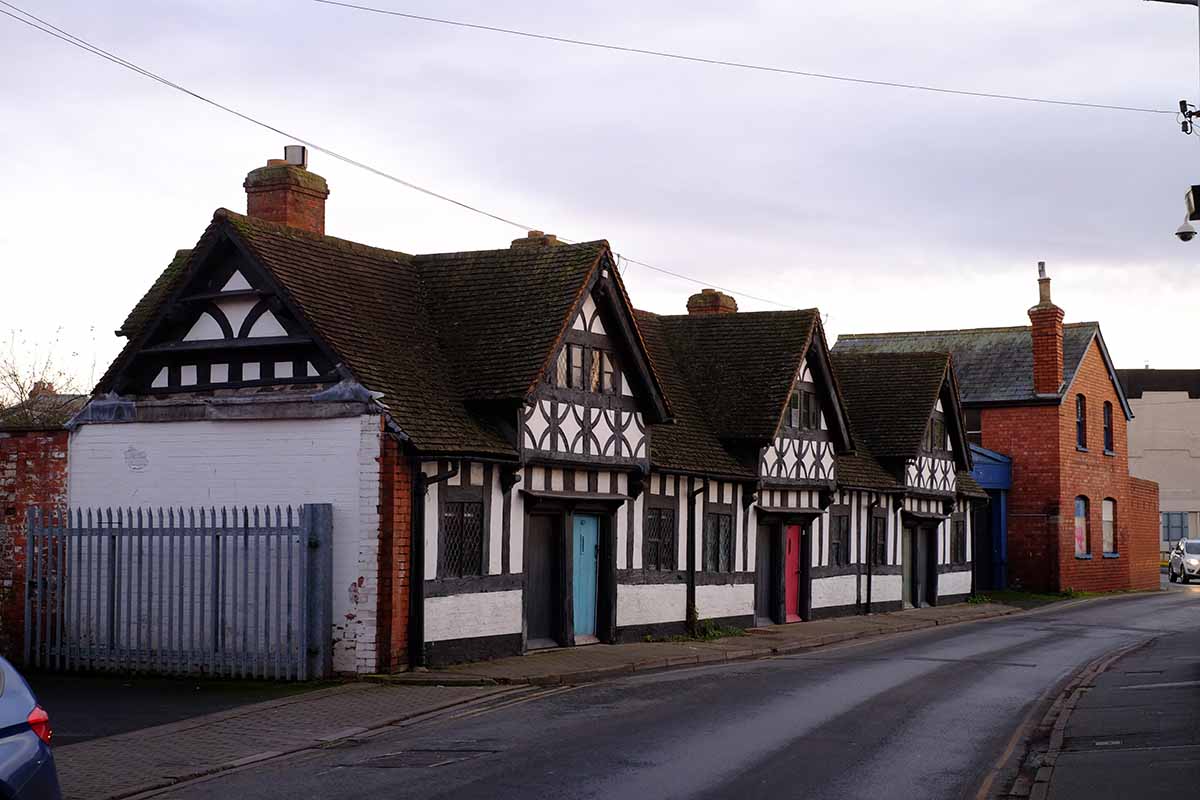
(417, 759)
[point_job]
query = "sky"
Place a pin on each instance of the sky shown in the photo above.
(888, 209)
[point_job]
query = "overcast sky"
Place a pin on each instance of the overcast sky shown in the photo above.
(888, 209)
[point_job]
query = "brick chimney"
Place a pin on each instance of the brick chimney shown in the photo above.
(710, 301)
(1047, 320)
(535, 239)
(284, 191)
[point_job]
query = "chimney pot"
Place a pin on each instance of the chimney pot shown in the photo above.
(287, 193)
(710, 301)
(535, 239)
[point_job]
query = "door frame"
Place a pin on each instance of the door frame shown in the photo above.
(778, 523)
(606, 564)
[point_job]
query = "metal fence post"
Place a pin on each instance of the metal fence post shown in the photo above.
(319, 611)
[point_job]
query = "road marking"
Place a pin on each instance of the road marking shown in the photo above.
(1167, 685)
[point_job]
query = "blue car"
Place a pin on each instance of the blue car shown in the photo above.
(26, 765)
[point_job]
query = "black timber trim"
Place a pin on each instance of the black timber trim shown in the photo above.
(955, 417)
(833, 612)
(833, 571)
(944, 569)
(654, 630)
(474, 584)
(648, 577)
(952, 599)
(817, 358)
(723, 578)
(455, 651)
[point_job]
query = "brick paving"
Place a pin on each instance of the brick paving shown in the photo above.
(581, 664)
(118, 766)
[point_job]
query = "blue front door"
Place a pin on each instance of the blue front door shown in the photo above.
(585, 542)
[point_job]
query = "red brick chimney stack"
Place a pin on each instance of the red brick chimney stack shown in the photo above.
(1047, 320)
(284, 191)
(710, 301)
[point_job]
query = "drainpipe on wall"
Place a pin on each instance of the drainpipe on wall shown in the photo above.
(416, 586)
(692, 615)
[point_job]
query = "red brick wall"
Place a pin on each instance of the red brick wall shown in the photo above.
(395, 510)
(1030, 436)
(1143, 534)
(1049, 472)
(33, 473)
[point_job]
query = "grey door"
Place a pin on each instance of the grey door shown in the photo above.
(543, 592)
(764, 577)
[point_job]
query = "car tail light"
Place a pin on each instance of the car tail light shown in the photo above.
(39, 722)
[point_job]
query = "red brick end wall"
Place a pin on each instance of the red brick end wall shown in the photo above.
(1143, 534)
(1049, 472)
(33, 473)
(395, 511)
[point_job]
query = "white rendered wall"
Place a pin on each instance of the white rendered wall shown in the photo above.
(886, 588)
(249, 462)
(647, 604)
(467, 616)
(840, 590)
(726, 600)
(954, 583)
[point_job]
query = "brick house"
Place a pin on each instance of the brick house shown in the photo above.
(1047, 396)
(33, 472)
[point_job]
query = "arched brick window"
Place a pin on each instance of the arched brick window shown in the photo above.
(1083, 533)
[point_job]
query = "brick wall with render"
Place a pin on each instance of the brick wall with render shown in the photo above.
(33, 473)
(395, 540)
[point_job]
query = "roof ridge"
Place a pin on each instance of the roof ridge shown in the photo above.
(527, 251)
(299, 233)
(740, 314)
(995, 329)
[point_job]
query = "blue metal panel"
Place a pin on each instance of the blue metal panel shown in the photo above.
(992, 470)
(586, 542)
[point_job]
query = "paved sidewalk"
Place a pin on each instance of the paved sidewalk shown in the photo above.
(117, 766)
(582, 664)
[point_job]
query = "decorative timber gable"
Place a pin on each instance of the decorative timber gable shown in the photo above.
(802, 451)
(590, 404)
(226, 325)
(943, 448)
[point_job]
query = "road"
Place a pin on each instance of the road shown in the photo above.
(920, 715)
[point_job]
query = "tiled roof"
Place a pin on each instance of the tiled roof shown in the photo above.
(742, 364)
(1136, 382)
(890, 397)
(969, 486)
(861, 470)
(992, 364)
(153, 298)
(689, 443)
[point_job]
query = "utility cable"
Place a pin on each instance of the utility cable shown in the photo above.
(718, 62)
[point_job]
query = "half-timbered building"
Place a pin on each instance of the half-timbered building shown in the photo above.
(515, 458)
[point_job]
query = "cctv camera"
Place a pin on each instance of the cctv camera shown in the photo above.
(1186, 232)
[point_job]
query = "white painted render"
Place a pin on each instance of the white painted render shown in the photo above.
(840, 590)
(277, 462)
(467, 616)
(954, 583)
(726, 600)
(237, 282)
(885, 588)
(652, 603)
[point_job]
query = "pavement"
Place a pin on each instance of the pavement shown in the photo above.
(1131, 730)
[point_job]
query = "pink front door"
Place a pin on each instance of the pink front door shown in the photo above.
(791, 573)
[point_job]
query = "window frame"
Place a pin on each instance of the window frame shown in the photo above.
(974, 417)
(447, 511)
(1087, 526)
(958, 539)
(878, 535)
(839, 537)
(1081, 422)
(1108, 427)
(723, 548)
(1167, 518)
(1108, 526)
(658, 547)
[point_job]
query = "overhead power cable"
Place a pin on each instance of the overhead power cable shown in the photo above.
(49, 29)
(719, 62)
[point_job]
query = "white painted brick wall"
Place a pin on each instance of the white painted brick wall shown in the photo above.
(648, 604)
(247, 462)
(840, 590)
(466, 616)
(729, 600)
(954, 583)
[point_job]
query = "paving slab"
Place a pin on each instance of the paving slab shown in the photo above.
(118, 766)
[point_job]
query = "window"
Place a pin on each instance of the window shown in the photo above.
(1192, 548)
(575, 366)
(1109, 516)
(608, 373)
(1083, 544)
(718, 543)
(878, 538)
(1081, 422)
(974, 426)
(935, 434)
(658, 544)
(586, 369)
(1108, 428)
(462, 540)
(958, 540)
(1174, 526)
(804, 412)
(839, 539)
